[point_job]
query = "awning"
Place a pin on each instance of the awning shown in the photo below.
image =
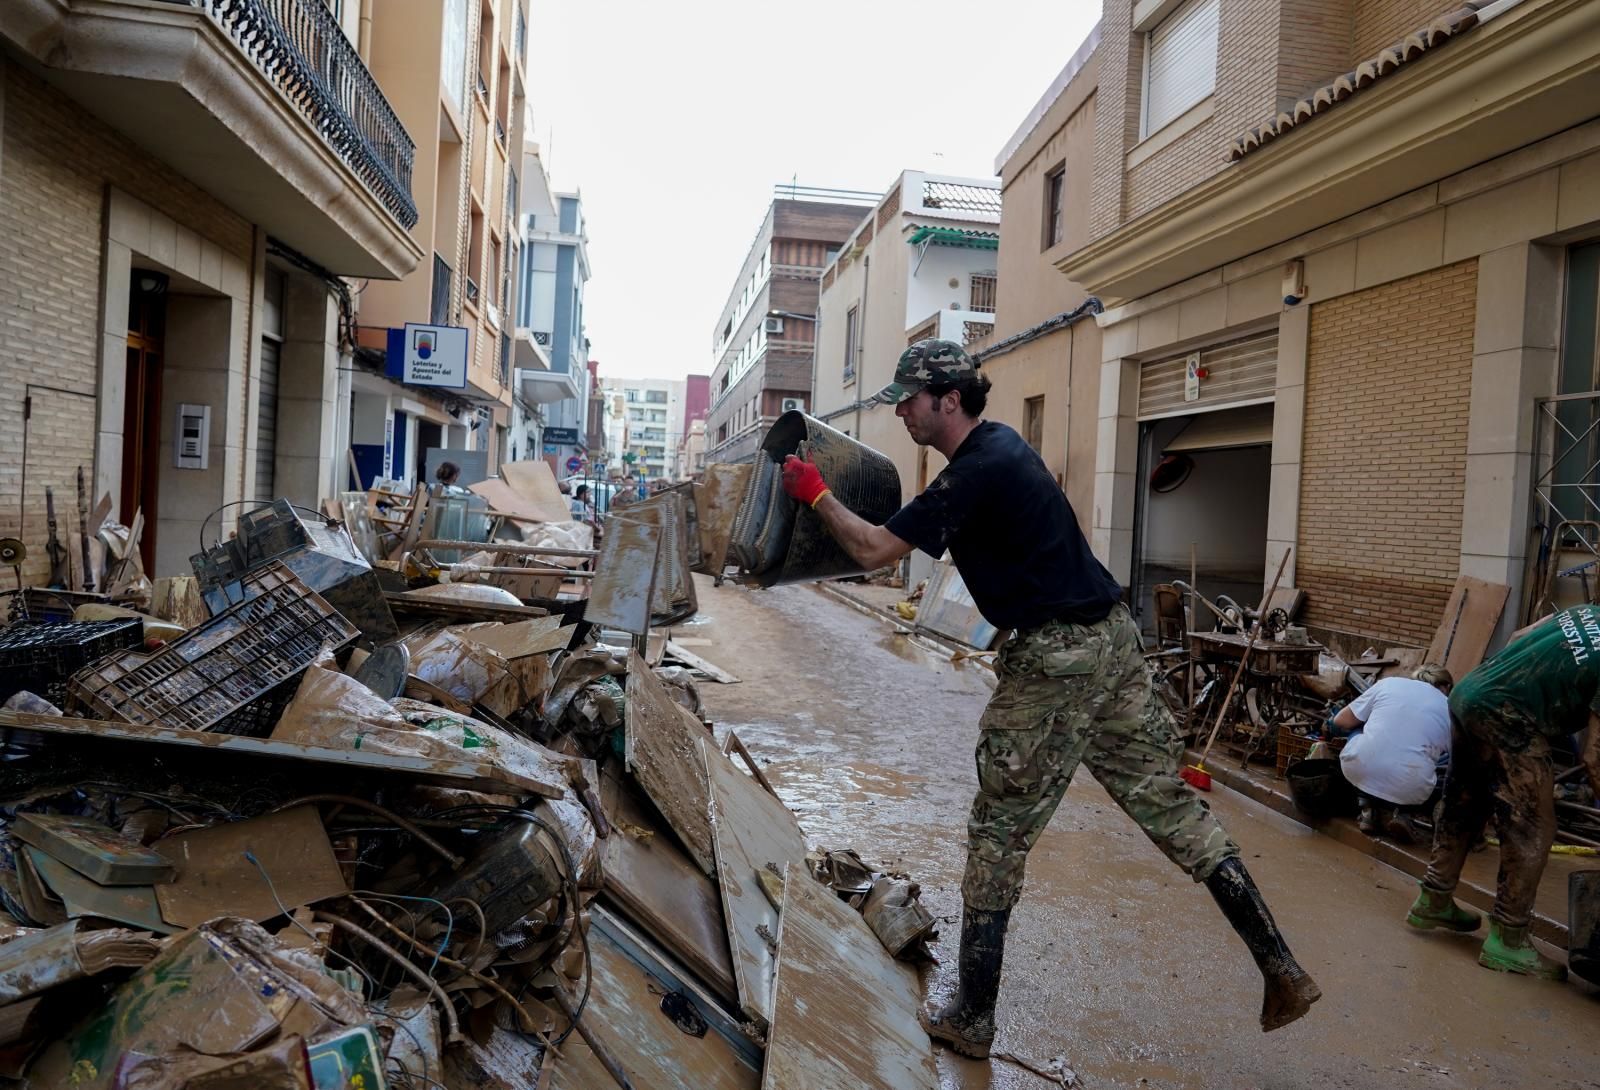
(1247, 427)
(546, 387)
(952, 236)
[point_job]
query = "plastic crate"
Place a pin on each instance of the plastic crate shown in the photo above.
(1294, 747)
(42, 657)
(234, 674)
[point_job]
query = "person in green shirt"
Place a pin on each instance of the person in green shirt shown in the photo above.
(1543, 686)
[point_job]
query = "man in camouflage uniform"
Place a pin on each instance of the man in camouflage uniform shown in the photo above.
(1073, 686)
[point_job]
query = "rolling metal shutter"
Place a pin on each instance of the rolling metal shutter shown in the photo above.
(267, 423)
(1242, 372)
(1181, 59)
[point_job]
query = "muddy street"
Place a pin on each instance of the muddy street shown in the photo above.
(1116, 962)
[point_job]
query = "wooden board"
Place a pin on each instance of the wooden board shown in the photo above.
(101, 737)
(535, 482)
(661, 748)
(217, 878)
(695, 662)
(625, 1016)
(522, 638)
(659, 887)
(718, 505)
(830, 962)
(753, 832)
(1470, 617)
(624, 575)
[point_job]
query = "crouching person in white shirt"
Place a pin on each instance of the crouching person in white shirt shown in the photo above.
(1402, 738)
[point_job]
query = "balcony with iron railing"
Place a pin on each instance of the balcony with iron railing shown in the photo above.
(265, 104)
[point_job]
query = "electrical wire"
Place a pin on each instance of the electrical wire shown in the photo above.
(272, 889)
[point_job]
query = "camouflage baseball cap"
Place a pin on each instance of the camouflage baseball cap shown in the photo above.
(924, 363)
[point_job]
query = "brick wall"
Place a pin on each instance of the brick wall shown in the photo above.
(1379, 23)
(1314, 46)
(55, 163)
(1388, 380)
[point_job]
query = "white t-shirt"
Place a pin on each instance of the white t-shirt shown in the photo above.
(1407, 730)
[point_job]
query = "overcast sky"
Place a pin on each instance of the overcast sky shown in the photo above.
(675, 121)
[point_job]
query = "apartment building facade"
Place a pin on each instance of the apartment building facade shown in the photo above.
(922, 263)
(651, 418)
(178, 207)
(457, 73)
(764, 338)
(1347, 256)
(554, 383)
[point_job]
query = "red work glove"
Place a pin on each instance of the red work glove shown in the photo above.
(803, 481)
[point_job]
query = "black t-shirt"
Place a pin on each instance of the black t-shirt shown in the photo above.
(1011, 532)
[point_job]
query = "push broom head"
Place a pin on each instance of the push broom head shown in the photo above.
(1196, 777)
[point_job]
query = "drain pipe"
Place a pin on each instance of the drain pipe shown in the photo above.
(861, 338)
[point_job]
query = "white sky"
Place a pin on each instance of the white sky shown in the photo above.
(674, 121)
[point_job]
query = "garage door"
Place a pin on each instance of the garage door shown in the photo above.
(1240, 372)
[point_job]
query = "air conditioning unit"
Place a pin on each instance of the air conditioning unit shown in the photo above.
(794, 404)
(773, 325)
(541, 338)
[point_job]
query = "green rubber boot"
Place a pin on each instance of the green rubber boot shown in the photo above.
(1434, 909)
(1509, 950)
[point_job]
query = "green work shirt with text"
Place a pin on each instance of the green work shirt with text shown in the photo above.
(1542, 683)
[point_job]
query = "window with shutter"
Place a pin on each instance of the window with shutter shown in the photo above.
(1180, 62)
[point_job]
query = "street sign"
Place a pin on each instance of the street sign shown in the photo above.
(561, 435)
(434, 355)
(574, 464)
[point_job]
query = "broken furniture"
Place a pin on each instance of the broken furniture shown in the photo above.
(321, 555)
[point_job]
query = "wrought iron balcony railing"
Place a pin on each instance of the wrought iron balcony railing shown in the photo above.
(298, 45)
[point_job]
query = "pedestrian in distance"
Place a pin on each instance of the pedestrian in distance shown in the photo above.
(1073, 685)
(1504, 715)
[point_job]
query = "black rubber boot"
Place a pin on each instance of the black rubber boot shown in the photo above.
(1290, 991)
(966, 1023)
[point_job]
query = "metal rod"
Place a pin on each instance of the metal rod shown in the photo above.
(511, 548)
(1244, 659)
(519, 571)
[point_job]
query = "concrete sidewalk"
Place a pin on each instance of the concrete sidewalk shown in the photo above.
(1261, 784)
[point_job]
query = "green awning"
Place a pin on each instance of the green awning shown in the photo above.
(951, 236)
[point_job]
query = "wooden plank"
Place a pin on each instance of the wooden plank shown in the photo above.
(661, 748)
(753, 832)
(1470, 617)
(718, 505)
(659, 887)
(624, 575)
(625, 1016)
(695, 662)
(522, 638)
(829, 961)
(99, 734)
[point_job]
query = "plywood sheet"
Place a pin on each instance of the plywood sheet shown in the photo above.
(829, 961)
(1470, 617)
(505, 500)
(535, 482)
(625, 1016)
(659, 887)
(102, 736)
(522, 638)
(662, 751)
(753, 832)
(718, 501)
(256, 868)
(624, 575)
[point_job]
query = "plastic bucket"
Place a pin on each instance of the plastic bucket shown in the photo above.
(1583, 924)
(777, 540)
(1319, 788)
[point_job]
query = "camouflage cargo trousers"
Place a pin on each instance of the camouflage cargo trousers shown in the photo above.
(1071, 694)
(1514, 787)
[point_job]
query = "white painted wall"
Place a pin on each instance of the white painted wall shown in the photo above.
(928, 288)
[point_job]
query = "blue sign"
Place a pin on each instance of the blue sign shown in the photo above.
(561, 435)
(574, 464)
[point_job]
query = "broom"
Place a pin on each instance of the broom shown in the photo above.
(1196, 775)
